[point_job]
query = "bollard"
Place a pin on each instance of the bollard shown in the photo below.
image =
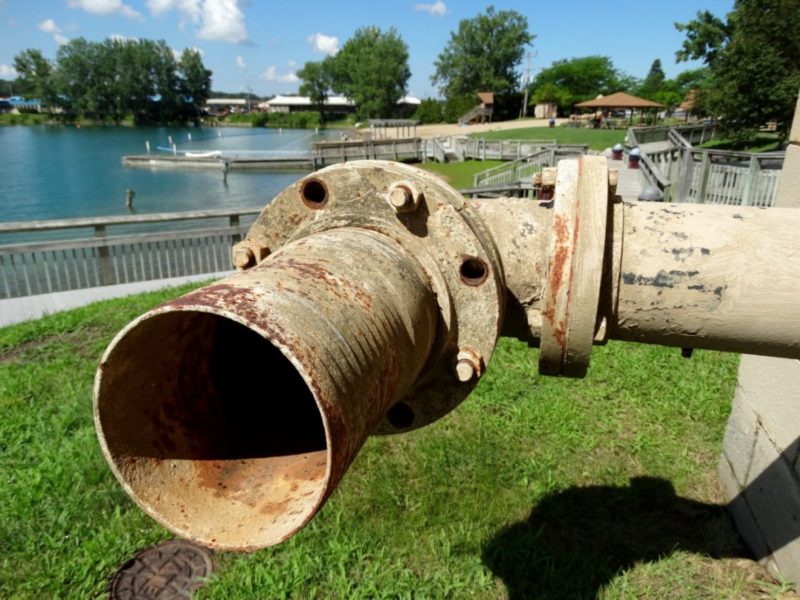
(616, 152)
(368, 299)
(634, 157)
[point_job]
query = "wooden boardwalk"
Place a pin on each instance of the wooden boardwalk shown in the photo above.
(629, 184)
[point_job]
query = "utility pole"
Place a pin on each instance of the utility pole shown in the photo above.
(531, 55)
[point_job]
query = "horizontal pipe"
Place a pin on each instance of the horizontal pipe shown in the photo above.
(709, 276)
(231, 413)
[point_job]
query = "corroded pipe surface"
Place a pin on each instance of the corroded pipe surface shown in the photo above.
(230, 414)
(709, 276)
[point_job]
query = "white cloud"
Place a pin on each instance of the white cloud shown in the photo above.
(240, 62)
(189, 9)
(7, 72)
(271, 74)
(323, 44)
(437, 9)
(223, 21)
(48, 26)
(122, 38)
(106, 7)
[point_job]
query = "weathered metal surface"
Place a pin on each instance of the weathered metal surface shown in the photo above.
(575, 254)
(719, 277)
(369, 299)
(444, 234)
(362, 318)
(170, 569)
(269, 383)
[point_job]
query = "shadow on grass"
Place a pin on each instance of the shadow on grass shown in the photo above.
(577, 540)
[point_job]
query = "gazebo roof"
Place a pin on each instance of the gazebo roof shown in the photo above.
(619, 100)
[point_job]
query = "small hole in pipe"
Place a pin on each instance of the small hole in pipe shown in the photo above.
(314, 193)
(401, 416)
(473, 271)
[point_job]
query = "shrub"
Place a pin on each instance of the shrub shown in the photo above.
(430, 111)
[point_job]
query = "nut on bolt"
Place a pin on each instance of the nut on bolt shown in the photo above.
(404, 196)
(246, 254)
(468, 366)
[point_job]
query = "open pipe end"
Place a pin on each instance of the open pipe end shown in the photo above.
(211, 429)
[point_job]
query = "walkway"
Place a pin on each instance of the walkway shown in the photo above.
(16, 310)
(629, 184)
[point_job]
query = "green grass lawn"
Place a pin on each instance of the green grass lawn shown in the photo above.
(534, 488)
(597, 139)
(460, 174)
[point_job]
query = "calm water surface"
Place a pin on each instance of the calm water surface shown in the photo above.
(65, 172)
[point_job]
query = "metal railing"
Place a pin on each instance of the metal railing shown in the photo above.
(44, 266)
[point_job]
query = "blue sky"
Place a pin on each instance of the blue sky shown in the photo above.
(259, 45)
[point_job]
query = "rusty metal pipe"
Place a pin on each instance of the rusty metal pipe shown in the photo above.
(230, 414)
(370, 301)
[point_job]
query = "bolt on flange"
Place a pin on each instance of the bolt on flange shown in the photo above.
(404, 196)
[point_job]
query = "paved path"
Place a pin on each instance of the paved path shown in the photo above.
(16, 310)
(629, 184)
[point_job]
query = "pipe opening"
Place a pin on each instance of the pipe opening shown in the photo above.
(400, 416)
(473, 271)
(314, 193)
(212, 429)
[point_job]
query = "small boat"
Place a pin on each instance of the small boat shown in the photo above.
(212, 154)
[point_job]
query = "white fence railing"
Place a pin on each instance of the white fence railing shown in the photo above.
(45, 266)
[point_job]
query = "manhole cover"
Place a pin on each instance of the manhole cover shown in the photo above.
(171, 569)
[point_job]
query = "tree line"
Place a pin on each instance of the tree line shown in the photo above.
(117, 78)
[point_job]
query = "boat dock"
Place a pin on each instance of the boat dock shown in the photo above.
(321, 155)
(221, 163)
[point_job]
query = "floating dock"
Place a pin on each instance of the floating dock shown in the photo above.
(321, 155)
(183, 161)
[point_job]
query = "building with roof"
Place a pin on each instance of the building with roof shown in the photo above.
(333, 104)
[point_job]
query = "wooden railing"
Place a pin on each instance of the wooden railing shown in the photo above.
(713, 176)
(328, 153)
(119, 252)
(479, 111)
(483, 149)
(691, 134)
(522, 169)
(734, 178)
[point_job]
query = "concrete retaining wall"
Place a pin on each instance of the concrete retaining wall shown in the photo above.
(760, 464)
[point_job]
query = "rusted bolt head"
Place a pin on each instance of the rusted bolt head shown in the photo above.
(404, 196)
(468, 366)
(243, 257)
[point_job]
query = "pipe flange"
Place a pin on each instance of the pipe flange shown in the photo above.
(445, 236)
(575, 266)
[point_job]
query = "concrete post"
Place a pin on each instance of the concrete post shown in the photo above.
(760, 464)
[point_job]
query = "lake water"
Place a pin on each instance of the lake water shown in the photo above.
(66, 172)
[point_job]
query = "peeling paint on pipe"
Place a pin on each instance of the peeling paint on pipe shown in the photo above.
(710, 276)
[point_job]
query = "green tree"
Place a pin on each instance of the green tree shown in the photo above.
(194, 83)
(754, 61)
(654, 81)
(372, 70)
(34, 75)
(569, 81)
(483, 54)
(76, 77)
(430, 110)
(317, 79)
